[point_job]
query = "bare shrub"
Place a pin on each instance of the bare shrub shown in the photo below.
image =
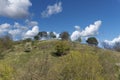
(5, 44)
(28, 47)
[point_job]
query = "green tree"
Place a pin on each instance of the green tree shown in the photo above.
(43, 34)
(40, 34)
(36, 37)
(52, 35)
(92, 41)
(64, 35)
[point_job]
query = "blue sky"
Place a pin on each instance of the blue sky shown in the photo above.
(35, 16)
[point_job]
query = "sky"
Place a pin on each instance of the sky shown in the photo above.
(81, 18)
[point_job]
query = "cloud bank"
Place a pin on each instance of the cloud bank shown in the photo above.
(90, 30)
(18, 31)
(52, 9)
(112, 42)
(15, 8)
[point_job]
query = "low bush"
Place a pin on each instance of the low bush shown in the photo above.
(62, 48)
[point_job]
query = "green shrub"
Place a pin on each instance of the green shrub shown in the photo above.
(62, 48)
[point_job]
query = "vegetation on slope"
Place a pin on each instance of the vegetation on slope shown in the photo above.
(82, 62)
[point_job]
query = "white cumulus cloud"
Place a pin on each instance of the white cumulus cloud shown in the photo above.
(32, 33)
(75, 35)
(57, 34)
(14, 8)
(112, 42)
(77, 28)
(52, 9)
(90, 30)
(18, 31)
(15, 32)
(31, 23)
(4, 27)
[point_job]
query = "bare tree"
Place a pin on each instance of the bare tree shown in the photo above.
(116, 46)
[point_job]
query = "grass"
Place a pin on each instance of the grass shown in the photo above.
(83, 62)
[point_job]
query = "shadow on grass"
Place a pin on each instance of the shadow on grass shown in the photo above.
(55, 54)
(1, 56)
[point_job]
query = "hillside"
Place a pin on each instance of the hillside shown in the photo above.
(82, 62)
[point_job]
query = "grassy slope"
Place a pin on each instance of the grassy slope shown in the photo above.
(82, 63)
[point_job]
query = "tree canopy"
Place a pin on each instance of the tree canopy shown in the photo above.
(64, 35)
(52, 35)
(92, 41)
